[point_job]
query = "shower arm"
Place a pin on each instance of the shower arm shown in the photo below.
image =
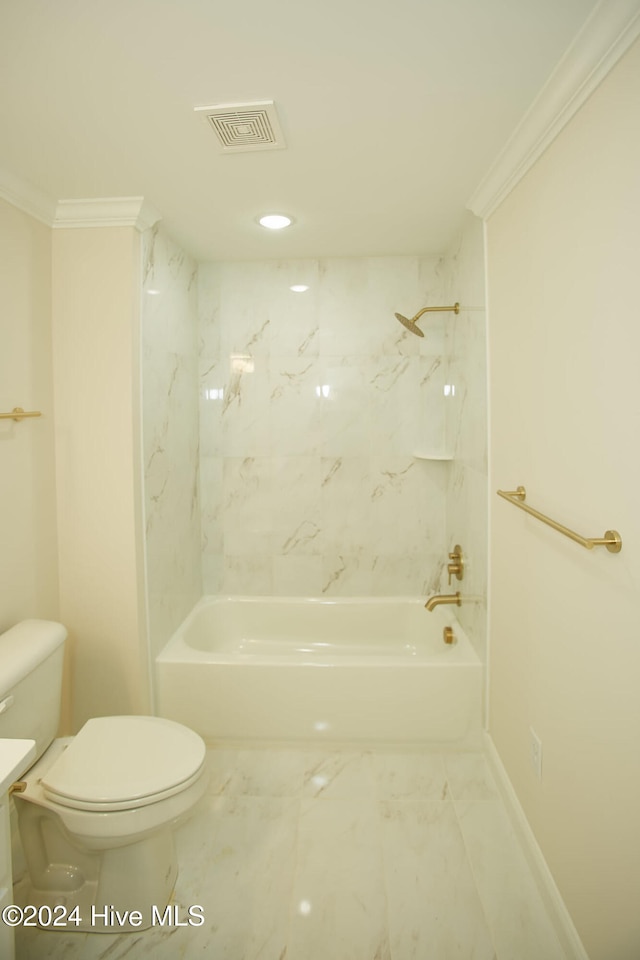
(454, 309)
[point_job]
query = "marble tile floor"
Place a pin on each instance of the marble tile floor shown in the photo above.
(298, 854)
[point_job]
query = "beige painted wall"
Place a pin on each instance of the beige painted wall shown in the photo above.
(28, 555)
(563, 267)
(96, 307)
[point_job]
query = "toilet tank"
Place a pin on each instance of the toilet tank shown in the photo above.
(31, 660)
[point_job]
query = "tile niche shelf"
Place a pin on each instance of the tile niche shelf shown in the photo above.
(433, 456)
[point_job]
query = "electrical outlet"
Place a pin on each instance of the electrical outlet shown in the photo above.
(535, 753)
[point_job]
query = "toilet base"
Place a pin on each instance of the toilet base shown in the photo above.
(106, 891)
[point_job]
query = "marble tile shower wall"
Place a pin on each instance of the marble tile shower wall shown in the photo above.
(466, 503)
(170, 434)
(312, 408)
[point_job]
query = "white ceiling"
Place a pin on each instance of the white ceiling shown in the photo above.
(392, 111)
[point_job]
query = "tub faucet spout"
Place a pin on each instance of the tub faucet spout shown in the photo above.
(439, 598)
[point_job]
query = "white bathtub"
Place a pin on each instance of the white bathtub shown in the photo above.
(262, 668)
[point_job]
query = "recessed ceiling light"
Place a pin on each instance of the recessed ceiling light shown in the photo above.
(275, 221)
(299, 288)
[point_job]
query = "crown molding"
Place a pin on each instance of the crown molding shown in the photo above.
(607, 34)
(27, 198)
(103, 212)
(106, 212)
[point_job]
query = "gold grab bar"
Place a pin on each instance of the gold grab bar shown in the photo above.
(611, 540)
(19, 414)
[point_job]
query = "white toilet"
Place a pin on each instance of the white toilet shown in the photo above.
(97, 814)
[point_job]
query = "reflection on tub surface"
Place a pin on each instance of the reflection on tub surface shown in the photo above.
(257, 668)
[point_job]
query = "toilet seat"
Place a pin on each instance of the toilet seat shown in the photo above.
(120, 763)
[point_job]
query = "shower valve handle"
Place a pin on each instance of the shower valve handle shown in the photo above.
(456, 567)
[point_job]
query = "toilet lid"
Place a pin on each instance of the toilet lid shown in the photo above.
(124, 762)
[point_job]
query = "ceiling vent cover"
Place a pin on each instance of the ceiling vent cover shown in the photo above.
(241, 127)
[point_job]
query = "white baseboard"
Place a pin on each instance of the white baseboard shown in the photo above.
(563, 924)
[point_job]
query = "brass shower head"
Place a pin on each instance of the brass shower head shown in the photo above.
(412, 325)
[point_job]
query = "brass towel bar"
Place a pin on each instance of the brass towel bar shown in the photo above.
(611, 540)
(19, 414)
